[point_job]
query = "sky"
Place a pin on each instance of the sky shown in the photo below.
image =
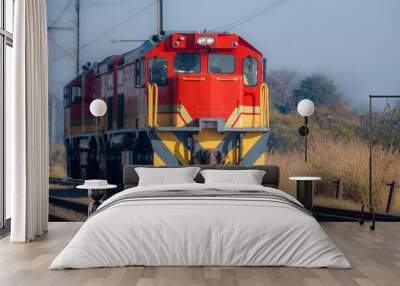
(356, 42)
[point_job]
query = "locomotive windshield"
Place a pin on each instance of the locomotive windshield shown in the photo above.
(221, 63)
(187, 63)
(250, 71)
(158, 71)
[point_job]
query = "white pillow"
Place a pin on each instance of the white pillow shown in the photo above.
(248, 177)
(166, 176)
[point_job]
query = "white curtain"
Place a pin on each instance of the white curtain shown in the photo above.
(27, 170)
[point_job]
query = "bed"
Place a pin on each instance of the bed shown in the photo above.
(201, 224)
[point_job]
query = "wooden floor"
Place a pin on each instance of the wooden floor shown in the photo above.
(375, 257)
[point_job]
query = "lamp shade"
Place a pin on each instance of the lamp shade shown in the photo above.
(98, 107)
(305, 107)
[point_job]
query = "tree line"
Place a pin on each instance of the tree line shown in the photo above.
(333, 117)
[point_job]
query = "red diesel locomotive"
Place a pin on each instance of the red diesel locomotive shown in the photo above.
(178, 99)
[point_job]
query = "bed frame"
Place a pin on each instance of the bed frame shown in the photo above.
(270, 179)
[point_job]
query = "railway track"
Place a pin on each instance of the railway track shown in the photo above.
(71, 205)
(67, 204)
(64, 200)
(65, 181)
(334, 214)
(63, 209)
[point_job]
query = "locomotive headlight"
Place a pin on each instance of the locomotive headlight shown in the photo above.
(205, 41)
(210, 41)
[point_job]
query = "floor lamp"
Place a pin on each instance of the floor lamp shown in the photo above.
(370, 204)
(305, 108)
(98, 108)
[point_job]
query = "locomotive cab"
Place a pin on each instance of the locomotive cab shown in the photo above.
(209, 76)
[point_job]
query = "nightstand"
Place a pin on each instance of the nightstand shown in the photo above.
(96, 191)
(305, 190)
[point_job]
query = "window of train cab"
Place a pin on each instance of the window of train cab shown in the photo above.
(187, 62)
(250, 71)
(67, 97)
(221, 63)
(76, 94)
(139, 73)
(158, 68)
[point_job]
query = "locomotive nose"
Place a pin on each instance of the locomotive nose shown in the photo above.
(209, 96)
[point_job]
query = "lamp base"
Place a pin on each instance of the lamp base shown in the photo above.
(372, 212)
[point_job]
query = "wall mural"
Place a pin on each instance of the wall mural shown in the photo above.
(209, 96)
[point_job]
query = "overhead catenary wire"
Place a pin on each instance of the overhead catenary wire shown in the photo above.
(108, 31)
(104, 3)
(252, 16)
(58, 45)
(231, 25)
(117, 26)
(59, 15)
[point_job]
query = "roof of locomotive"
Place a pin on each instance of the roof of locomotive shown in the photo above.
(155, 40)
(170, 33)
(149, 44)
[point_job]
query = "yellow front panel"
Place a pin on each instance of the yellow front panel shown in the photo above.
(157, 161)
(232, 157)
(209, 138)
(262, 160)
(175, 146)
(249, 140)
(170, 120)
(178, 121)
(248, 121)
(244, 117)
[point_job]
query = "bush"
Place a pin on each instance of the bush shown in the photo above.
(319, 89)
(346, 160)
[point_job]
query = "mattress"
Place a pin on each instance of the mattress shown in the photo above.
(201, 225)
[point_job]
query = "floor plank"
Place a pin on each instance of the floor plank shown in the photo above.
(375, 257)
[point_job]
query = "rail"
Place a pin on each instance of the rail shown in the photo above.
(264, 105)
(65, 181)
(152, 103)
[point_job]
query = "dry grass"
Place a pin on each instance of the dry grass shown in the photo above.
(57, 161)
(57, 171)
(334, 203)
(347, 161)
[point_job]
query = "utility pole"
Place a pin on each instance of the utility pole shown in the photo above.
(77, 8)
(159, 18)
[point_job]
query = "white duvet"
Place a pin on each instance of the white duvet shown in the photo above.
(200, 231)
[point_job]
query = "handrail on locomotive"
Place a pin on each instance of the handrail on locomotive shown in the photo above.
(152, 111)
(264, 105)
